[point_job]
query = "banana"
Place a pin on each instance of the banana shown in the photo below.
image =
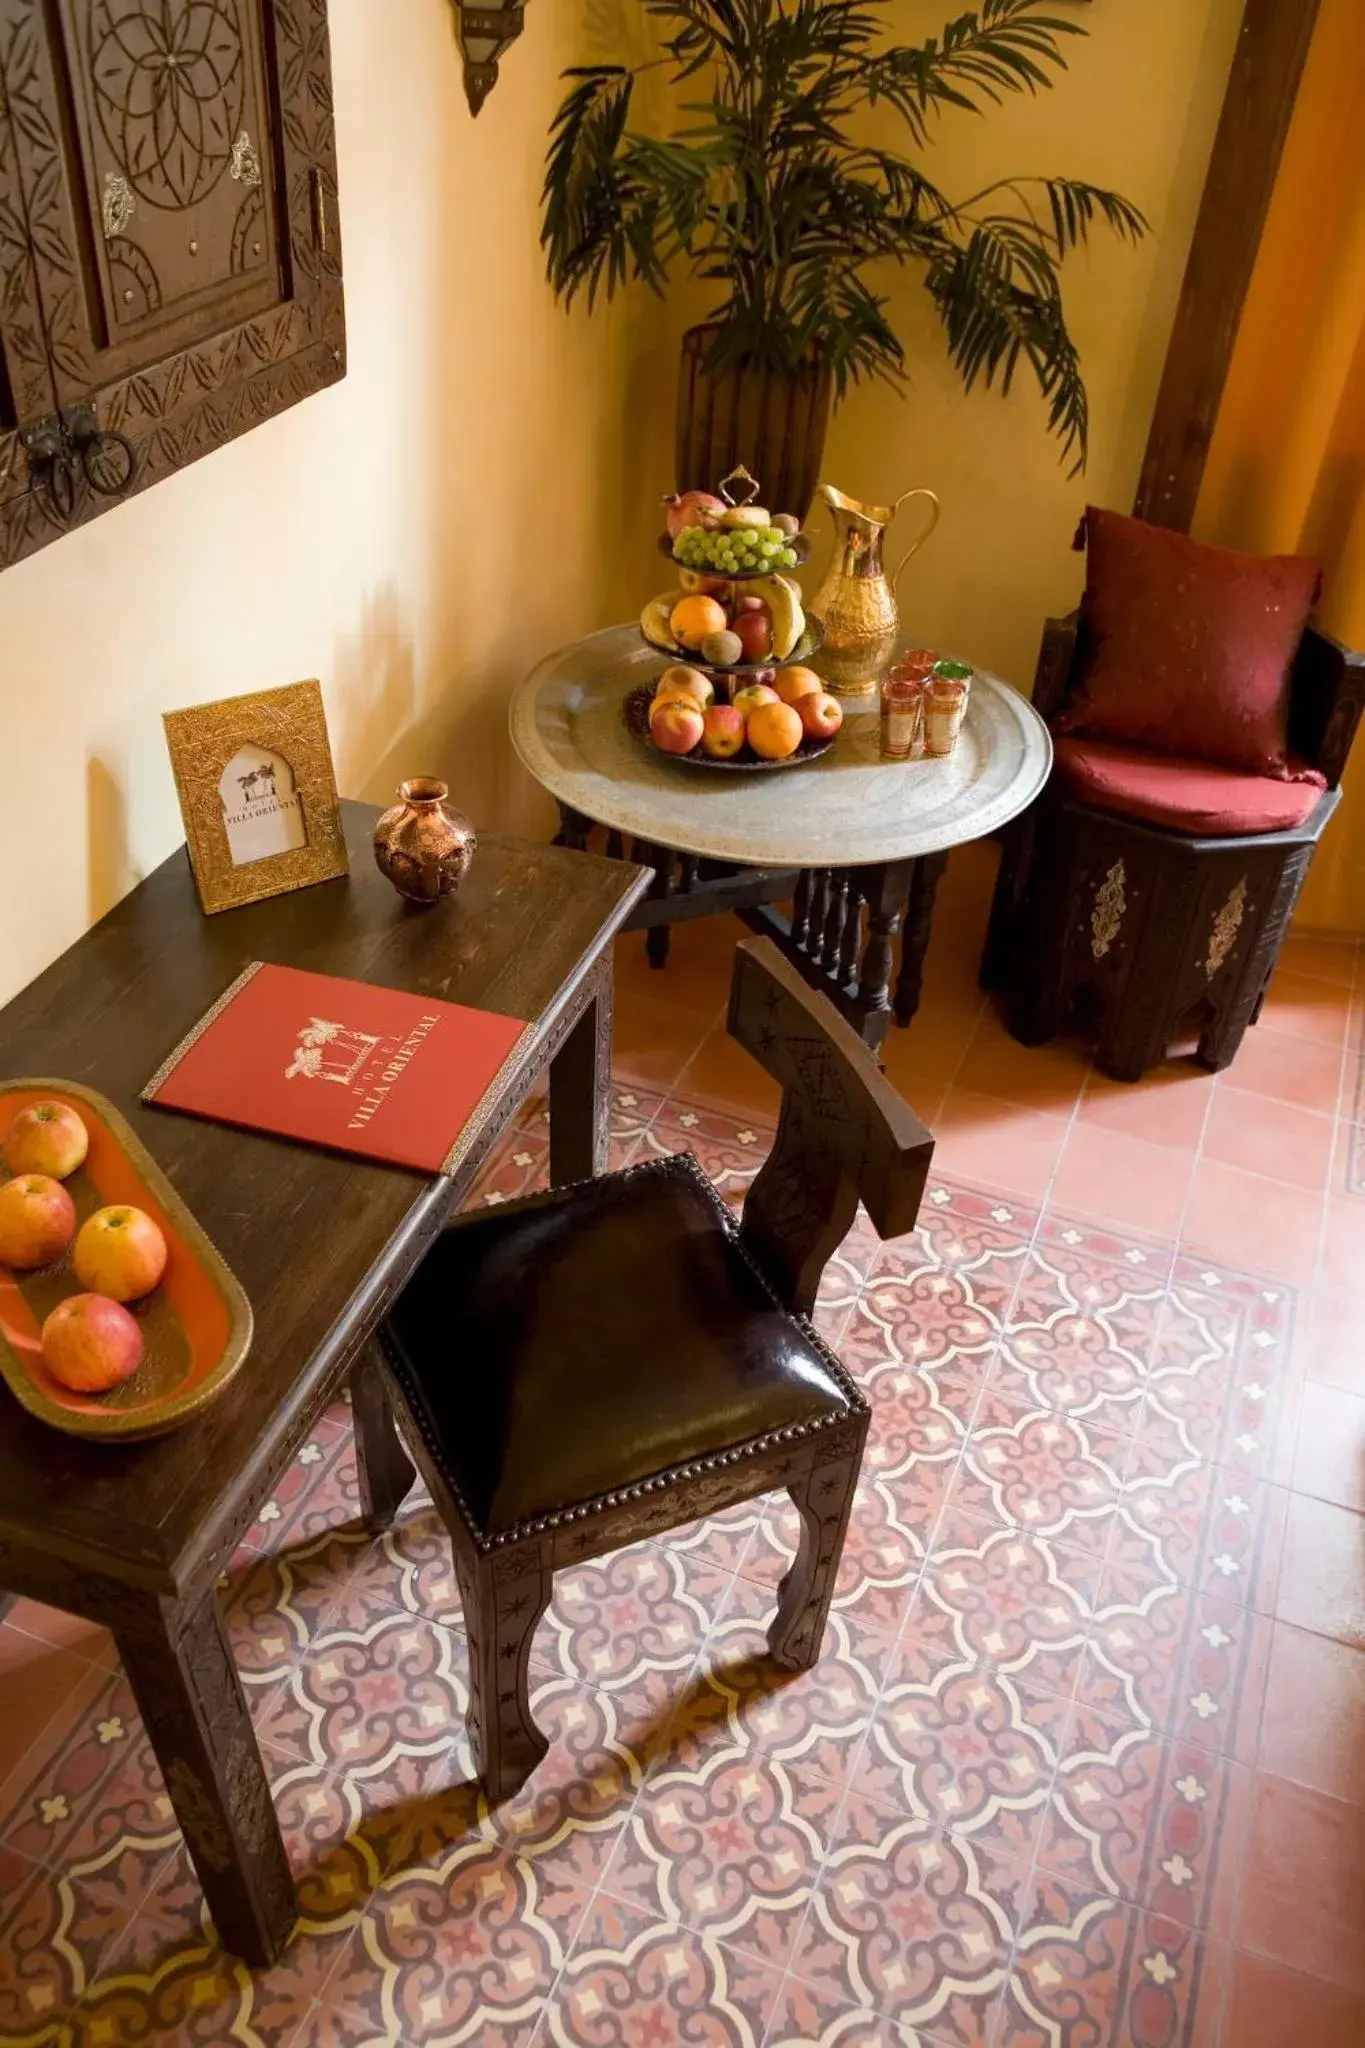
(783, 599)
(654, 621)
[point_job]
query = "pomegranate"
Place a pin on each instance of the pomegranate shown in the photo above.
(693, 508)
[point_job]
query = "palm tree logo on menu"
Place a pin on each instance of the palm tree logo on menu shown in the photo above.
(327, 1051)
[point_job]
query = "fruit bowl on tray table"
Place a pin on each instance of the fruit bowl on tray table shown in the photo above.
(635, 711)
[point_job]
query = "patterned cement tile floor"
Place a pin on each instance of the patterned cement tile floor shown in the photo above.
(1084, 1759)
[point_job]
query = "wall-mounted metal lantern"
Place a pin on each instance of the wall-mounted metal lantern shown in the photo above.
(485, 33)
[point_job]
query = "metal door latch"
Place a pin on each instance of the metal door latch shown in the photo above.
(69, 453)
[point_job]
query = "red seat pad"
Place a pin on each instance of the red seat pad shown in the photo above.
(1188, 796)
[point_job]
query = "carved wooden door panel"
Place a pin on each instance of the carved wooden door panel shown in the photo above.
(170, 270)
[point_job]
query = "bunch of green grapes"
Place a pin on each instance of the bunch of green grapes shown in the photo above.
(735, 550)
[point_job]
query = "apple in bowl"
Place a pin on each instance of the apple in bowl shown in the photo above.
(752, 696)
(676, 724)
(91, 1344)
(47, 1138)
(687, 682)
(37, 1222)
(120, 1252)
(820, 714)
(723, 733)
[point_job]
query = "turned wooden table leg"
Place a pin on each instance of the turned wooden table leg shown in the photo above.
(383, 1468)
(885, 890)
(580, 1092)
(915, 932)
(574, 828)
(180, 1667)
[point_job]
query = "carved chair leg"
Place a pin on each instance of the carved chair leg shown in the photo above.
(824, 1501)
(1219, 1045)
(504, 1597)
(1129, 1049)
(383, 1468)
(181, 1670)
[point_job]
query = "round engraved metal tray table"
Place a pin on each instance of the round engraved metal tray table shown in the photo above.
(851, 830)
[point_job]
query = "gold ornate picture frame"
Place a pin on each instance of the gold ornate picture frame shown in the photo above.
(258, 794)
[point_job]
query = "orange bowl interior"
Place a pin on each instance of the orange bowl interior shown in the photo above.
(188, 1288)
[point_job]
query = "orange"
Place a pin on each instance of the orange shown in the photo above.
(793, 683)
(775, 731)
(692, 618)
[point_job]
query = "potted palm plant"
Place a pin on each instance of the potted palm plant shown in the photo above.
(773, 187)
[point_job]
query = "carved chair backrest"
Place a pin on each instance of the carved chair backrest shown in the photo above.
(844, 1134)
(1326, 690)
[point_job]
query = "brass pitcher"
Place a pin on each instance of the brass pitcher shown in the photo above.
(857, 600)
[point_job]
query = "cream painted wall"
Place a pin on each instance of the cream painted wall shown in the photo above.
(484, 484)
(415, 537)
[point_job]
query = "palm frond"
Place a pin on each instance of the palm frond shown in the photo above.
(767, 187)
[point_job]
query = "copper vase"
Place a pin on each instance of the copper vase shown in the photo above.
(856, 603)
(422, 846)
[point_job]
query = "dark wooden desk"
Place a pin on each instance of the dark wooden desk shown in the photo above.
(136, 1536)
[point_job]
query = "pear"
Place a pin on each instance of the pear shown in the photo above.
(745, 515)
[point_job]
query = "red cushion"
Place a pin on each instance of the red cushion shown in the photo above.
(1190, 646)
(1190, 796)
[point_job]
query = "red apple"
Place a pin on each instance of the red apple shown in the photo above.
(747, 604)
(47, 1137)
(120, 1252)
(754, 631)
(821, 715)
(37, 1222)
(752, 695)
(91, 1344)
(724, 731)
(676, 725)
(692, 508)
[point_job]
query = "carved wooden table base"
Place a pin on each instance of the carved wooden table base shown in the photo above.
(841, 933)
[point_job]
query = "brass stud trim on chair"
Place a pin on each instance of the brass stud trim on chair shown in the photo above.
(675, 1475)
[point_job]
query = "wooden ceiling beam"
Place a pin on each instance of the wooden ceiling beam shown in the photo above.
(1272, 49)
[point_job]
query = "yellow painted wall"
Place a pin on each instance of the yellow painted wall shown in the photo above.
(416, 537)
(1137, 111)
(484, 485)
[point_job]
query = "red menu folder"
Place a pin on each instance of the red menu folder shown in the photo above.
(342, 1064)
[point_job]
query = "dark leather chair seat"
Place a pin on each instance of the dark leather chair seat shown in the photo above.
(594, 1338)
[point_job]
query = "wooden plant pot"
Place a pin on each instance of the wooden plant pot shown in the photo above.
(774, 424)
